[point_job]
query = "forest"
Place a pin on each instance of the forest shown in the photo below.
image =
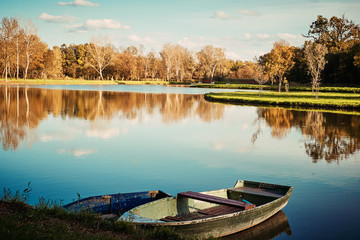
(330, 55)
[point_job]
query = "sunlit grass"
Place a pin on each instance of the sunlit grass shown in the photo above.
(291, 99)
(275, 87)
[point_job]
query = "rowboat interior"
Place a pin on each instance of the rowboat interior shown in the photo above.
(190, 206)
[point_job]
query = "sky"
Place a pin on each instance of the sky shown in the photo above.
(245, 28)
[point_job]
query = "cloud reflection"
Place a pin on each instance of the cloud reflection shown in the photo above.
(77, 152)
(107, 133)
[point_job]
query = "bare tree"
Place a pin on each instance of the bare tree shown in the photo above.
(30, 39)
(315, 58)
(260, 76)
(101, 54)
(168, 57)
(19, 38)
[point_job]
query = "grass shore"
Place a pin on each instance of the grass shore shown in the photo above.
(77, 82)
(326, 100)
(19, 220)
(275, 88)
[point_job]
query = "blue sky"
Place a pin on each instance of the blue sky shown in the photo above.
(244, 28)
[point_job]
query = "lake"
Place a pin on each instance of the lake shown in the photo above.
(93, 140)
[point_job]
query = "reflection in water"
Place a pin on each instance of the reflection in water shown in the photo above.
(328, 136)
(22, 109)
(269, 229)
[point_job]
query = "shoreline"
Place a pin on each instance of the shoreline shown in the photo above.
(345, 103)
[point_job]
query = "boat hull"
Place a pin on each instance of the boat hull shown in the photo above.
(115, 204)
(230, 223)
(216, 226)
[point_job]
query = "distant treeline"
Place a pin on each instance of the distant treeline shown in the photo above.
(24, 55)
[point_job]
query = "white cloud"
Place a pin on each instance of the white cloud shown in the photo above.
(57, 19)
(96, 24)
(192, 43)
(248, 13)
(247, 36)
(78, 3)
(231, 55)
(262, 36)
(286, 36)
(103, 24)
(137, 39)
(222, 15)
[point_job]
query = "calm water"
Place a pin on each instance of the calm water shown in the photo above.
(98, 140)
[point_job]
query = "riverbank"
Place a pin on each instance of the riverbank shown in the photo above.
(275, 88)
(336, 101)
(19, 220)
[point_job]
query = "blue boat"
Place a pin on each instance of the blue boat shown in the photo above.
(114, 205)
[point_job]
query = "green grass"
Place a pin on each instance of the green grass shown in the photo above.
(335, 101)
(48, 220)
(275, 87)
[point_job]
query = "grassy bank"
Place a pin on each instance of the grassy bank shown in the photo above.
(57, 82)
(48, 220)
(346, 101)
(19, 220)
(77, 82)
(275, 88)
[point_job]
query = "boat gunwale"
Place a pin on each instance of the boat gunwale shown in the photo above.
(72, 205)
(214, 218)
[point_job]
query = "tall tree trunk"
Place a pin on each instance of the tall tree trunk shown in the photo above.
(6, 72)
(280, 84)
(17, 59)
(27, 65)
(101, 75)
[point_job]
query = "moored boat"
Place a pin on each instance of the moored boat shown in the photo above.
(113, 205)
(213, 213)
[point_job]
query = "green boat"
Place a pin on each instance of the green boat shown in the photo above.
(214, 213)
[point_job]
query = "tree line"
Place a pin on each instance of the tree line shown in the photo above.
(331, 54)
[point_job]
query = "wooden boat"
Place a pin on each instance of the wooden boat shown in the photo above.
(113, 205)
(213, 213)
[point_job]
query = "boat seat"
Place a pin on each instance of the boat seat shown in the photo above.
(259, 192)
(217, 200)
(205, 213)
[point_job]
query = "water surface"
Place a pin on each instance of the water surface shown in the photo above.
(95, 140)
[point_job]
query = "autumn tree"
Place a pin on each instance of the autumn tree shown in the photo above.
(210, 57)
(101, 54)
(167, 56)
(279, 61)
(8, 32)
(315, 57)
(53, 63)
(342, 39)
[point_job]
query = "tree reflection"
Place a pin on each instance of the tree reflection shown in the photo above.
(328, 136)
(22, 109)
